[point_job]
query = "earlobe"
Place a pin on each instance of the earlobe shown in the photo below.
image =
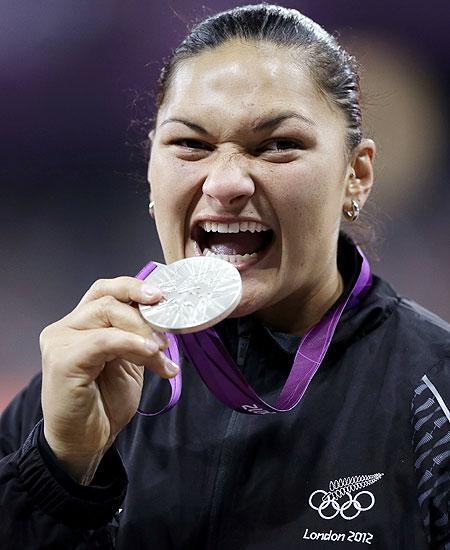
(151, 206)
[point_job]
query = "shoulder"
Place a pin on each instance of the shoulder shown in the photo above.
(427, 335)
(417, 340)
(411, 321)
(419, 317)
(430, 333)
(409, 313)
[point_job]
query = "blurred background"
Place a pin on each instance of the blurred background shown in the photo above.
(77, 82)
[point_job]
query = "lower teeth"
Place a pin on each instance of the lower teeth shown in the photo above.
(232, 258)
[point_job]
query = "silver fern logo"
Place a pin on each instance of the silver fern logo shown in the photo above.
(340, 500)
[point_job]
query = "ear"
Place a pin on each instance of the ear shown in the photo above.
(358, 187)
(151, 205)
(148, 176)
(151, 137)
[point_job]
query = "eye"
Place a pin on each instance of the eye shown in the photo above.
(193, 144)
(281, 145)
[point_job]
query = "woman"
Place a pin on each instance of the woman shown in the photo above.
(259, 125)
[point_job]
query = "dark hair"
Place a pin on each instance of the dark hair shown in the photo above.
(332, 68)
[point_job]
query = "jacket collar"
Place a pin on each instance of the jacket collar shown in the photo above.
(374, 308)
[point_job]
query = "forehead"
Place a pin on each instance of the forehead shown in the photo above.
(243, 81)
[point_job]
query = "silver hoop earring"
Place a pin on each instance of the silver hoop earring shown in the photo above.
(353, 214)
(151, 206)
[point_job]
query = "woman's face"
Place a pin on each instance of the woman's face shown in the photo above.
(245, 141)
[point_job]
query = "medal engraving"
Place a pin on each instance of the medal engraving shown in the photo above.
(197, 293)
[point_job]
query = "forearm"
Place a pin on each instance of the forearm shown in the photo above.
(39, 501)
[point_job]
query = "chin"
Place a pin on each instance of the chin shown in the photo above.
(251, 302)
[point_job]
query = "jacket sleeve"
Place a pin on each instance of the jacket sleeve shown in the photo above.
(42, 506)
(431, 443)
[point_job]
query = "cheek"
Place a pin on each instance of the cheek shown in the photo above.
(170, 180)
(174, 185)
(297, 194)
(307, 202)
(173, 190)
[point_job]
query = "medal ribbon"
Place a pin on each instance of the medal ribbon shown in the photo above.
(207, 353)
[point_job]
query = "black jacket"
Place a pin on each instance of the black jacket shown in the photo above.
(363, 460)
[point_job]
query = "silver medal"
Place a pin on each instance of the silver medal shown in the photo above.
(197, 293)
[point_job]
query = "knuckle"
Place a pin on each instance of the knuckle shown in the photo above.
(157, 363)
(49, 359)
(123, 283)
(53, 355)
(55, 344)
(102, 341)
(133, 343)
(45, 336)
(98, 286)
(105, 303)
(113, 340)
(114, 337)
(123, 280)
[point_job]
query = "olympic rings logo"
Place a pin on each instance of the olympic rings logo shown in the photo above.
(329, 508)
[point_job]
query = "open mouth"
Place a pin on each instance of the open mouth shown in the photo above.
(240, 243)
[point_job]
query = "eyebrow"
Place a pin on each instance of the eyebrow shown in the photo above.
(191, 125)
(273, 122)
(264, 124)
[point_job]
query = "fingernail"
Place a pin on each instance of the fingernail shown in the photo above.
(151, 345)
(150, 291)
(170, 367)
(161, 339)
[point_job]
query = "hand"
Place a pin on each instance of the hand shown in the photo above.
(93, 364)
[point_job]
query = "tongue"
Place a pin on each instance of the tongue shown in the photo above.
(235, 243)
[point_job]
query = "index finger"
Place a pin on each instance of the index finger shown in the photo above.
(124, 289)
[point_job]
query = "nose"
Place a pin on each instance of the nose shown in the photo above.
(229, 185)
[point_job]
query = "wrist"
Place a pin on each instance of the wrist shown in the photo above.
(79, 464)
(81, 470)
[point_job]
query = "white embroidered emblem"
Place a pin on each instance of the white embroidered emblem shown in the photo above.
(328, 505)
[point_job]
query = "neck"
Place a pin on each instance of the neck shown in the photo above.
(297, 313)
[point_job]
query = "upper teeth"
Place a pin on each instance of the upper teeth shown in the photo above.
(233, 227)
